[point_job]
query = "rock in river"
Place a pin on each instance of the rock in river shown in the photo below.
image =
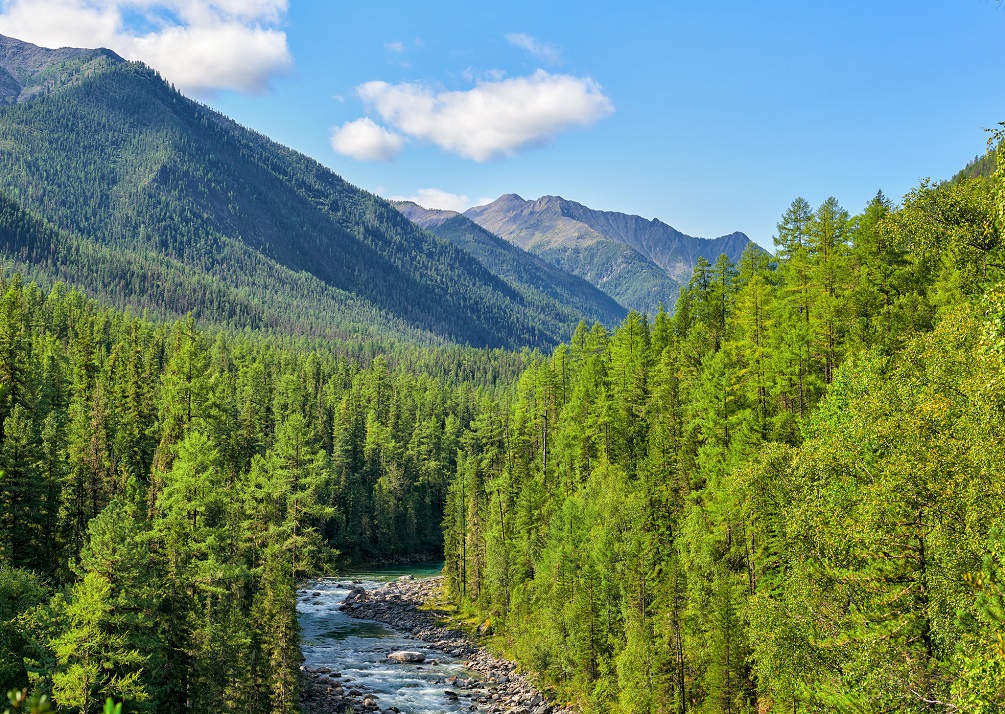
(405, 656)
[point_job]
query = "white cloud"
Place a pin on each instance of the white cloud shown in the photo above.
(495, 118)
(200, 45)
(396, 47)
(540, 50)
(366, 141)
(491, 75)
(436, 198)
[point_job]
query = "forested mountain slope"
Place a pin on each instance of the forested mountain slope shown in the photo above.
(785, 497)
(524, 270)
(640, 263)
(106, 151)
(166, 287)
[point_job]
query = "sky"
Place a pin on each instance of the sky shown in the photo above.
(711, 117)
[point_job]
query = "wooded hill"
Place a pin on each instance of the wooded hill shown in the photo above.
(788, 496)
(530, 274)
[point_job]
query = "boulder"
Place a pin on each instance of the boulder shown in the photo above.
(406, 656)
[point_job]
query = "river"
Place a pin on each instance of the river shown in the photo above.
(358, 649)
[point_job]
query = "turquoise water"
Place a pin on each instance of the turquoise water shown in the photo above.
(358, 649)
(358, 628)
(386, 573)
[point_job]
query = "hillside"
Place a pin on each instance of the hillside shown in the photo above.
(166, 287)
(526, 271)
(785, 497)
(108, 153)
(666, 246)
(640, 263)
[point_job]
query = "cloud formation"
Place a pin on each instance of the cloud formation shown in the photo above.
(366, 141)
(436, 198)
(542, 51)
(201, 45)
(495, 118)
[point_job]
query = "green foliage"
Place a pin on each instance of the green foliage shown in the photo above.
(786, 497)
(20, 592)
(93, 660)
(164, 489)
(36, 703)
(774, 499)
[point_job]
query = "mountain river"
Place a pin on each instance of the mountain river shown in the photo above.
(358, 649)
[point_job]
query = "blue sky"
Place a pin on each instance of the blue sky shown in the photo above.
(709, 116)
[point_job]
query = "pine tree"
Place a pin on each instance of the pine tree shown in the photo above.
(94, 663)
(829, 273)
(278, 632)
(23, 491)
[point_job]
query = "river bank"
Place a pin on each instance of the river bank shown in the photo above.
(496, 687)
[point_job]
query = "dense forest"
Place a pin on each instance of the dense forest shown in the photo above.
(787, 497)
(163, 488)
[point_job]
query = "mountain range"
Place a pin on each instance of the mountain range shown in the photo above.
(639, 262)
(179, 209)
(531, 273)
(112, 181)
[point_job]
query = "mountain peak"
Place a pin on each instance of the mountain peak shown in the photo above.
(422, 216)
(27, 70)
(638, 261)
(533, 276)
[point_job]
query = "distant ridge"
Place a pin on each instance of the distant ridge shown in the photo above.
(641, 263)
(524, 270)
(424, 217)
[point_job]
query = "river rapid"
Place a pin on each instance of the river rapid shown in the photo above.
(358, 649)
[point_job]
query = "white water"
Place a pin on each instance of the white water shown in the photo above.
(358, 649)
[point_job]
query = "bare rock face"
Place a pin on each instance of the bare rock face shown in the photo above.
(405, 656)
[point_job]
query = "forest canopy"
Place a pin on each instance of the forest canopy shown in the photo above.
(164, 487)
(787, 496)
